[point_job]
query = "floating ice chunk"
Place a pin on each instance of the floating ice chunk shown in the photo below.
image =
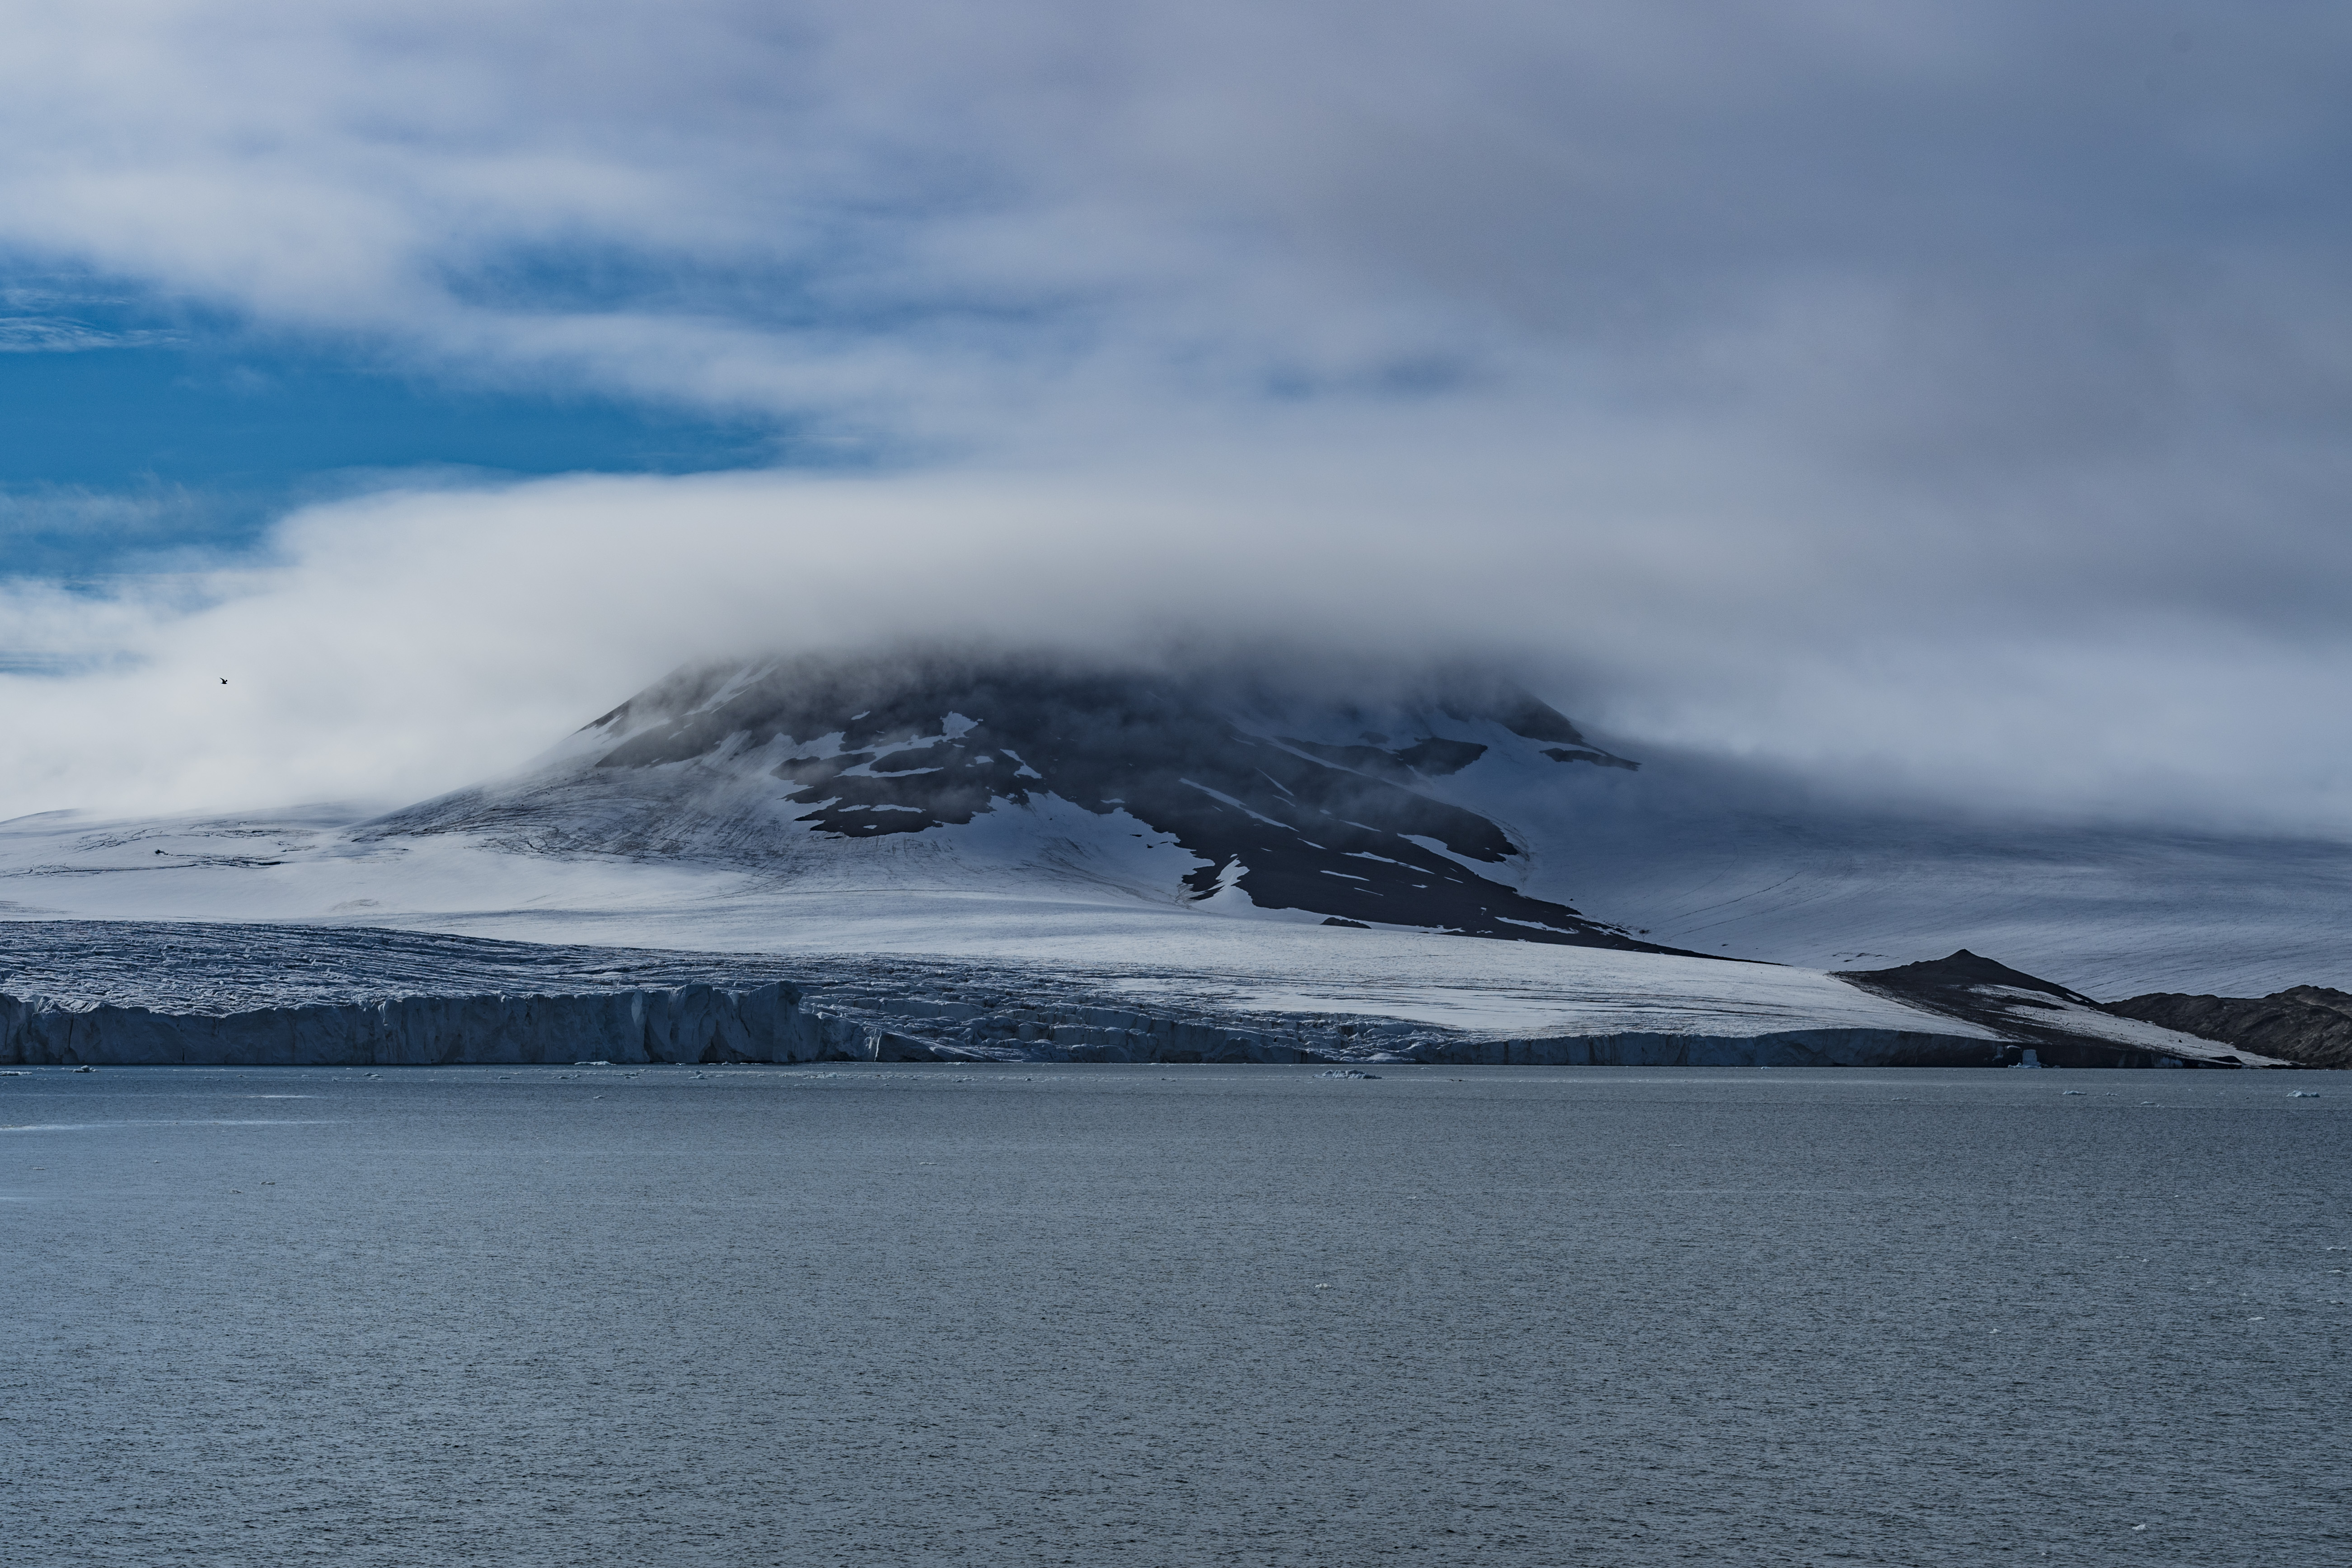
(1351, 1072)
(2302, 1094)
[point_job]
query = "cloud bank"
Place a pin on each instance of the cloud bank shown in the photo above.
(1946, 396)
(410, 644)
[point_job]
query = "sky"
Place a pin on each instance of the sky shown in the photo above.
(1943, 401)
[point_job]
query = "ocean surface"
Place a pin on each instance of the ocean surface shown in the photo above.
(1097, 1315)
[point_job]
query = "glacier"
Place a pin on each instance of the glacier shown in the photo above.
(105, 993)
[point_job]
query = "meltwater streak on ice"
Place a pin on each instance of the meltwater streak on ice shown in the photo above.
(1169, 1315)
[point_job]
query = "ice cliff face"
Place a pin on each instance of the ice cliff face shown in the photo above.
(1181, 788)
(687, 1024)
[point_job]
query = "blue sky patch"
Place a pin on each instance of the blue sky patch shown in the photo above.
(126, 438)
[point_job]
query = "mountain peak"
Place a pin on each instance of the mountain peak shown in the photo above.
(1251, 797)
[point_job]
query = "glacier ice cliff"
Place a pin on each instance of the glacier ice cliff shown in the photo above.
(709, 1024)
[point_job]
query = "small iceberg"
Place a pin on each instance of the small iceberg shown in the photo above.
(1350, 1072)
(2302, 1094)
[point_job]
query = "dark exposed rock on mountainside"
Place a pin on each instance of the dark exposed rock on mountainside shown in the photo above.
(2308, 1025)
(1960, 975)
(2062, 1027)
(866, 750)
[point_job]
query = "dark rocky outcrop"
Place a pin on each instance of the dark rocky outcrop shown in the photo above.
(2062, 1027)
(2310, 1025)
(1949, 979)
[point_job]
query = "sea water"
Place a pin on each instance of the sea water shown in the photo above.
(1172, 1315)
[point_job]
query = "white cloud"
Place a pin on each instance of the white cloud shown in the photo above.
(1948, 394)
(887, 209)
(407, 645)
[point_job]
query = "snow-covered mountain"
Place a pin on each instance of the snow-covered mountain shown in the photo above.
(1164, 788)
(1449, 853)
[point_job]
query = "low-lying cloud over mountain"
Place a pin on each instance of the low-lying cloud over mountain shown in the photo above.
(399, 647)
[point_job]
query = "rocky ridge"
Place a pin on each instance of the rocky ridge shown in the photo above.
(2310, 1025)
(2061, 1027)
